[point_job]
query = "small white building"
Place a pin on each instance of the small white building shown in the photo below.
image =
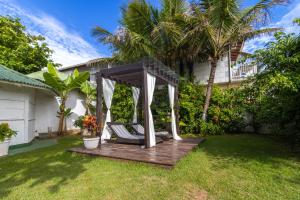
(30, 106)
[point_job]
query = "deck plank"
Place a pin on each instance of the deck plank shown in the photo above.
(165, 154)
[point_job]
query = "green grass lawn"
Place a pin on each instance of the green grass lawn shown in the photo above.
(224, 167)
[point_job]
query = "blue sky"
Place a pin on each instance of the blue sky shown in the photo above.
(67, 24)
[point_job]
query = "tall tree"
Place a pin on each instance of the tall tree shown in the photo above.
(148, 31)
(215, 25)
(19, 50)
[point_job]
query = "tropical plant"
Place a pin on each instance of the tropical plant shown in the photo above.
(6, 132)
(90, 123)
(90, 95)
(20, 50)
(148, 31)
(274, 94)
(79, 122)
(216, 25)
(63, 88)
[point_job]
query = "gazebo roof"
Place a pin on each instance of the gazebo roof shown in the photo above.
(133, 73)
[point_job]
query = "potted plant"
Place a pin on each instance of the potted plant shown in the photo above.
(79, 123)
(90, 123)
(5, 134)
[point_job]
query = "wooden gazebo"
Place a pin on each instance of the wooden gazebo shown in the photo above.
(135, 74)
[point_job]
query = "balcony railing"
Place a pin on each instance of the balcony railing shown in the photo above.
(243, 71)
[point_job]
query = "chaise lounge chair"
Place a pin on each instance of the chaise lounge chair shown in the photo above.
(139, 129)
(124, 136)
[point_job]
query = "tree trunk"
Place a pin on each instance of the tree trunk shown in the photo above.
(61, 123)
(61, 116)
(209, 88)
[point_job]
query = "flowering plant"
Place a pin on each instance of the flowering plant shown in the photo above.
(90, 122)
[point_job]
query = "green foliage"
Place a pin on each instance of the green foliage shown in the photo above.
(191, 98)
(90, 95)
(122, 104)
(160, 108)
(63, 88)
(224, 115)
(19, 50)
(227, 110)
(79, 122)
(6, 132)
(274, 94)
(210, 128)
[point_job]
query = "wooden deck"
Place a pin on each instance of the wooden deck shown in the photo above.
(165, 154)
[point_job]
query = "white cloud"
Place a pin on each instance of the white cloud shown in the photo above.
(69, 47)
(285, 22)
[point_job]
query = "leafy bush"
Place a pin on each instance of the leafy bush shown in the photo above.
(191, 101)
(79, 122)
(122, 104)
(274, 94)
(161, 110)
(210, 128)
(226, 110)
(6, 132)
(225, 113)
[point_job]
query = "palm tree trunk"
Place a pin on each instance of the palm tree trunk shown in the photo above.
(209, 88)
(61, 116)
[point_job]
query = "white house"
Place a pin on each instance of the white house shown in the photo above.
(228, 70)
(30, 106)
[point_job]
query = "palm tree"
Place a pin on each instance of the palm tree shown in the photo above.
(63, 88)
(148, 31)
(216, 25)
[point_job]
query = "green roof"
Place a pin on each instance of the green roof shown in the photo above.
(39, 75)
(12, 76)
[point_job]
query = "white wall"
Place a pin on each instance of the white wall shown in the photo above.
(46, 112)
(47, 107)
(76, 102)
(16, 108)
(31, 111)
(202, 71)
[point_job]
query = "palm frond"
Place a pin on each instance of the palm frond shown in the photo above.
(260, 32)
(260, 12)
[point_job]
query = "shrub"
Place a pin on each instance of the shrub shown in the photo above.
(122, 104)
(6, 132)
(79, 122)
(191, 100)
(274, 94)
(210, 128)
(227, 109)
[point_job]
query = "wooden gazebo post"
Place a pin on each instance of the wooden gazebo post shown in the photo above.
(99, 112)
(176, 105)
(146, 111)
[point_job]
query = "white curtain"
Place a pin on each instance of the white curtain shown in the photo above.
(173, 118)
(151, 86)
(135, 94)
(108, 91)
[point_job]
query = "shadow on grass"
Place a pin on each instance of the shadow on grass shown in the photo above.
(52, 164)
